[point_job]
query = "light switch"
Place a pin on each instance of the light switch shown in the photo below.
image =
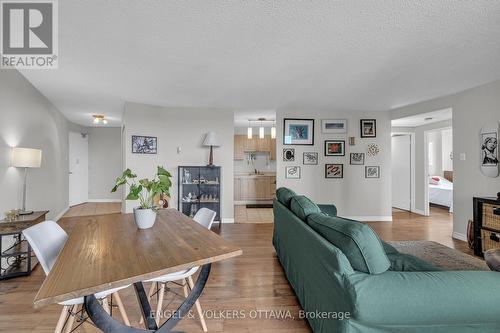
(462, 157)
(179, 150)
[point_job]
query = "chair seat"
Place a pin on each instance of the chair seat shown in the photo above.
(100, 295)
(175, 276)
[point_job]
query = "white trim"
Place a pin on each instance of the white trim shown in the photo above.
(227, 220)
(61, 214)
(459, 236)
(104, 200)
(418, 211)
(370, 218)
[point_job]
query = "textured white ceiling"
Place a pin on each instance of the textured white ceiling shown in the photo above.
(349, 55)
(423, 118)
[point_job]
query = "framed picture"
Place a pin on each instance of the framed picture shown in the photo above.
(489, 147)
(368, 128)
(372, 172)
(357, 159)
(334, 171)
(144, 144)
(334, 148)
(292, 172)
(310, 158)
(288, 154)
(298, 131)
(334, 126)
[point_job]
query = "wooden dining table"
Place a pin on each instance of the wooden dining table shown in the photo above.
(108, 251)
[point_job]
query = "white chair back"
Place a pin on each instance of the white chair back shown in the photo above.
(205, 217)
(47, 240)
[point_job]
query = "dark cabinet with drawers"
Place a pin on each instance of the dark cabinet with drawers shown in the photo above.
(486, 224)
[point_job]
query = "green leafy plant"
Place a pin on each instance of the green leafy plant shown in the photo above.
(145, 189)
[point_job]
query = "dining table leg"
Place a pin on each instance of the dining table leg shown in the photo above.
(107, 324)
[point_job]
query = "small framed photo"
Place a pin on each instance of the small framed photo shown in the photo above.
(292, 172)
(144, 144)
(368, 128)
(334, 126)
(357, 159)
(310, 158)
(334, 148)
(288, 154)
(298, 131)
(372, 172)
(334, 171)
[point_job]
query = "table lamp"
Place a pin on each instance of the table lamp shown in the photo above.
(26, 158)
(211, 141)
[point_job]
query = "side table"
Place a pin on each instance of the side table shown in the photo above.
(18, 259)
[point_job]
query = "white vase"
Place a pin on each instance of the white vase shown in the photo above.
(144, 218)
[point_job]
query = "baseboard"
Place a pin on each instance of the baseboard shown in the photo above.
(459, 236)
(104, 200)
(418, 211)
(370, 218)
(61, 214)
(227, 220)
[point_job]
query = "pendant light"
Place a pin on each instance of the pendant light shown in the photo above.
(273, 131)
(249, 130)
(261, 128)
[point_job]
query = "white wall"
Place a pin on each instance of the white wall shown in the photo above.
(184, 128)
(472, 109)
(435, 153)
(105, 162)
(447, 149)
(354, 196)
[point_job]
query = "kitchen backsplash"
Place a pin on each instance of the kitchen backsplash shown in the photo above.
(260, 162)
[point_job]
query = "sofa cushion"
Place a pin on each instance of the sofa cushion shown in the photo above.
(285, 195)
(356, 240)
(302, 206)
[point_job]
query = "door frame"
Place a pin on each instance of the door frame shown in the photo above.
(427, 210)
(412, 168)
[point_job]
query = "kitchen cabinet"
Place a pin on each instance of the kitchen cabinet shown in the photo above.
(254, 187)
(239, 147)
(272, 153)
(254, 145)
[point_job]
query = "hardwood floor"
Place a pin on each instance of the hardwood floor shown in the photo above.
(238, 289)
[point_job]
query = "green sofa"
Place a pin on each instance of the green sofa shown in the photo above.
(387, 291)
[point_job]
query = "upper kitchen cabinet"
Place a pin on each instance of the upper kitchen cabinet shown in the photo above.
(255, 145)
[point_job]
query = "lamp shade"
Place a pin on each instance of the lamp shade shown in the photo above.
(211, 140)
(26, 158)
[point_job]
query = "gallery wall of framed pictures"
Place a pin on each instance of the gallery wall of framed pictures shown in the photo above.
(333, 136)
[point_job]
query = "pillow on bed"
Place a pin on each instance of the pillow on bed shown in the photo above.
(434, 180)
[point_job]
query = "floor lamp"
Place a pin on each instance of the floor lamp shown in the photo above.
(26, 158)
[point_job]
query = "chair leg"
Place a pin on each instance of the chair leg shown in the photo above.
(62, 319)
(198, 307)
(160, 303)
(73, 311)
(121, 308)
(105, 305)
(151, 292)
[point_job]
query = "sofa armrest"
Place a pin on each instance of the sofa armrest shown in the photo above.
(438, 297)
(329, 210)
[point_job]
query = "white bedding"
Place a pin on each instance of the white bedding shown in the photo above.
(442, 194)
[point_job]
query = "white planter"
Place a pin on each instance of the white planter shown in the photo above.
(144, 218)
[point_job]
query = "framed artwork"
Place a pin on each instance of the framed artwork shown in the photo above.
(489, 147)
(288, 154)
(298, 131)
(292, 172)
(310, 158)
(368, 128)
(144, 144)
(334, 148)
(372, 172)
(334, 171)
(357, 159)
(334, 126)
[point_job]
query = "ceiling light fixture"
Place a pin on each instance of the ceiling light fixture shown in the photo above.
(273, 131)
(261, 128)
(249, 131)
(98, 119)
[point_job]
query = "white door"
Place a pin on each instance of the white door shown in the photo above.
(401, 172)
(78, 168)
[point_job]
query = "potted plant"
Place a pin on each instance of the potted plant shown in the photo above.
(145, 190)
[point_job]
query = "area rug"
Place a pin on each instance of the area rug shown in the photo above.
(441, 256)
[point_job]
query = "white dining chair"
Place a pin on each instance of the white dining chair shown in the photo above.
(204, 217)
(47, 240)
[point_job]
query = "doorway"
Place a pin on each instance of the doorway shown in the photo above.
(401, 160)
(78, 152)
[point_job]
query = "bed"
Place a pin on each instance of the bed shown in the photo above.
(441, 193)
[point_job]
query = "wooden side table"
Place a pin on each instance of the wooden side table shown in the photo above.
(18, 259)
